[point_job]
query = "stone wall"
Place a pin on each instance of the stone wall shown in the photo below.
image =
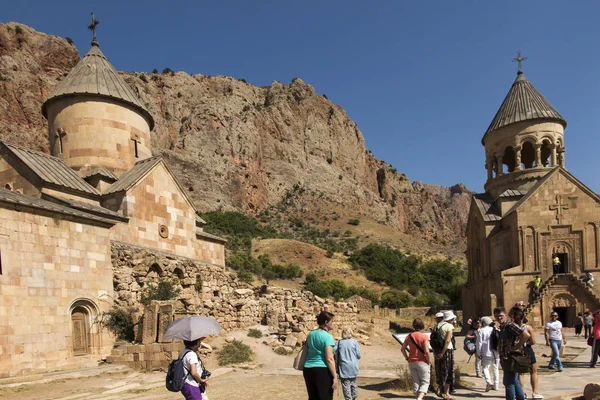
(214, 291)
(55, 282)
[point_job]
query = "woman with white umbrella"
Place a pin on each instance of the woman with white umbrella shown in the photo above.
(192, 330)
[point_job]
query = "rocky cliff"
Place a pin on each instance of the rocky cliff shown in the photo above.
(237, 146)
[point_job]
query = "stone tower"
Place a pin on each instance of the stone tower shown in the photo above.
(524, 140)
(95, 120)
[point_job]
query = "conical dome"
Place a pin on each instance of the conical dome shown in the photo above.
(523, 103)
(94, 75)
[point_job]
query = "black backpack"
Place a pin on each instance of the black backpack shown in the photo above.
(436, 340)
(176, 374)
(495, 338)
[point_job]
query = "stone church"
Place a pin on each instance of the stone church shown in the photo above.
(532, 210)
(61, 213)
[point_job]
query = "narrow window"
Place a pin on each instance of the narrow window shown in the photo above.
(60, 143)
(135, 149)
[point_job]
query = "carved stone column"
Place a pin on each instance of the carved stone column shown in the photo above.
(518, 158)
(499, 166)
(538, 155)
(489, 166)
(561, 157)
(553, 148)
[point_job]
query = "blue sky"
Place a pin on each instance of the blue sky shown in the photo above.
(422, 79)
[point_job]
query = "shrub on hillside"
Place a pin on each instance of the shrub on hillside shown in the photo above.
(354, 221)
(234, 353)
(395, 299)
(255, 333)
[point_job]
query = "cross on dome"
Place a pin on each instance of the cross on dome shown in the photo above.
(519, 59)
(92, 27)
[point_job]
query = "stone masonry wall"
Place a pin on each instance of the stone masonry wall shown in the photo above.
(214, 291)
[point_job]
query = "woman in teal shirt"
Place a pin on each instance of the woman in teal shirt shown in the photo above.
(319, 369)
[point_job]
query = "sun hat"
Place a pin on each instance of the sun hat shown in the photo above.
(449, 316)
(486, 321)
(439, 315)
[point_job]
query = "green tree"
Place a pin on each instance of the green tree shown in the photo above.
(395, 299)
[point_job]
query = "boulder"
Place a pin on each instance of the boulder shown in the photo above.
(291, 341)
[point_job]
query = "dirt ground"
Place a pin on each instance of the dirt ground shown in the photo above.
(269, 377)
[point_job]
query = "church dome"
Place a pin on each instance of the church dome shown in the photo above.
(94, 75)
(523, 103)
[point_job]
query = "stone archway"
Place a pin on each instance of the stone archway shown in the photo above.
(83, 314)
(565, 305)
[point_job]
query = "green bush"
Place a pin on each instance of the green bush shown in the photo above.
(165, 290)
(167, 71)
(255, 333)
(18, 30)
(120, 323)
(282, 351)
(395, 299)
(234, 353)
(69, 40)
(245, 276)
(354, 221)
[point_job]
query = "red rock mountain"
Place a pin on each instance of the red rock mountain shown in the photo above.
(237, 146)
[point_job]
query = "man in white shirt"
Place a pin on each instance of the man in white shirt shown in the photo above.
(489, 356)
(555, 337)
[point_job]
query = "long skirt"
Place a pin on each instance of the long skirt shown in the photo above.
(444, 369)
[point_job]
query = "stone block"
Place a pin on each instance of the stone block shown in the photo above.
(291, 341)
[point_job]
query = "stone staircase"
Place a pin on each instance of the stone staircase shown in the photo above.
(546, 285)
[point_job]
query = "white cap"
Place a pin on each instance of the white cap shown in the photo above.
(439, 315)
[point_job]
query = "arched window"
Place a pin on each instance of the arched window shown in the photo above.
(508, 160)
(527, 155)
(546, 152)
(178, 273)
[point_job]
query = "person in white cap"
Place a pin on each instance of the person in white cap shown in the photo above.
(489, 356)
(444, 359)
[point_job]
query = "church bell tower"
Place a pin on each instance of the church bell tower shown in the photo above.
(525, 139)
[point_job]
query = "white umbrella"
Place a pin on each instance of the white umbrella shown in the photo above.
(192, 328)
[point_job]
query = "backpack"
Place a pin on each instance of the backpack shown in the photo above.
(436, 340)
(469, 347)
(176, 374)
(495, 339)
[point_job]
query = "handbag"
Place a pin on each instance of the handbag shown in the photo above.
(519, 362)
(590, 340)
(300, 358)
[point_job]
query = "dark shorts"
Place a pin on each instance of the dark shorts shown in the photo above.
(529, 352)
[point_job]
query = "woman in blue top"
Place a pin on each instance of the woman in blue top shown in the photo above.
(319, 369)
(348, 354)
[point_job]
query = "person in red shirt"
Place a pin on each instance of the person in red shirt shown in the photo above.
(418, 358)
(596, 341)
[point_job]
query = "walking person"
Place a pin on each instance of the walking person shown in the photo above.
(489, 356)
(193, 367)
(348, 354)
(444, 359)
(596, 340)
(555, 338)
(419, 362)
(533, 370)
(588, 321)
(578, 325)
(512, 338)
(535, 286)
(319, 370)
(470, 345)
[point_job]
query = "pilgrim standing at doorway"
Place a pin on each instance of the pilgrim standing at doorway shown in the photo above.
(556, 264)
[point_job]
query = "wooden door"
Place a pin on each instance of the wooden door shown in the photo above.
(80, 331)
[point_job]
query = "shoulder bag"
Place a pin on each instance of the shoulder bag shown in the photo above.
(300, 358)
(519, 362)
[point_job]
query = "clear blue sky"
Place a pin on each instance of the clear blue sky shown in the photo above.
(422, 79)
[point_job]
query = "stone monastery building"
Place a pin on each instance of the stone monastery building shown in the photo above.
(60, 214)
(532, 211)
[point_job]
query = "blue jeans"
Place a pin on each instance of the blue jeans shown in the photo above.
(555, 345)
(512, 386)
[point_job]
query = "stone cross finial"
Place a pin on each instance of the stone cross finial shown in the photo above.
(519, 59)
(92, 27)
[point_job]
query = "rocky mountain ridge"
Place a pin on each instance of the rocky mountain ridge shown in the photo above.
(237, 146)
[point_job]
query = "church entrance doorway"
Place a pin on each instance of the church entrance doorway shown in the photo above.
(80, 331)
(564, 316)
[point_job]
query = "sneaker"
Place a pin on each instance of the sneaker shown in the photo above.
(496, 387)
(488, 387)
(560, 369)
(549, 367)
(537, 396)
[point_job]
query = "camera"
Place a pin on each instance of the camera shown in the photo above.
(205, 374)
